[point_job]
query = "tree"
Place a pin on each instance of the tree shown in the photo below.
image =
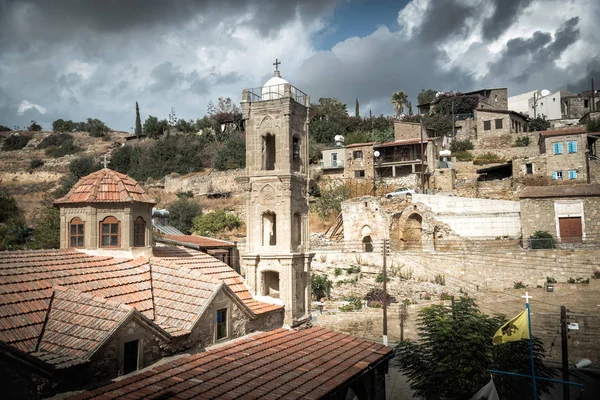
(455, 353)
(399, 100)
(426, 96)
(357, 109)
(60, 125)
(232, 154)
(95, 127)
(83, 166)
(539, 123)
(332, 110)
(46, 231)
(216, 222)
(34, 127)
(12, 224)
(4, 128)
(138, 121)
(182, 213)
(154, 128)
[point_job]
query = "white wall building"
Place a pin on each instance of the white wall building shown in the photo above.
(520, 102)
(549, 105)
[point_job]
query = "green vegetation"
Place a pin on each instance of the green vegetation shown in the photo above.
(46, 231)
(376, 294)
(331, 201)
(83, 166)
(453, 357)
(458, 146)
(519, 285)
(440, 279)
(379, 278)
(36, 163)
(354, 269)
(463, 156)
(182, 213)
(216, 222)
(12, 224)
(4, 128)
(488, 158)
(445, 296)
(56, 140)
(541, 240)
(593, 125)
(579, 280)
(354, 304)
(337, 271)
(93, 126)
(320, 286)
(522, 141)
(231, 153)
(426, 96)
(550, 280)
(15, 142)
(399, 101)
(540, 123)
(138, 121)
(34, 127)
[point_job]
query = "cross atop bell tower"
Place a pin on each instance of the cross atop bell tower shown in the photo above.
(277, 263)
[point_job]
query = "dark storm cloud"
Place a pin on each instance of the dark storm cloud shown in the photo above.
(585, 83)
(505, 14)
(444, 19)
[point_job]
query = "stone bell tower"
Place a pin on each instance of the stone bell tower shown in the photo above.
(277, 262)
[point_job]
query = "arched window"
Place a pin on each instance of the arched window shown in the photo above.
(76, 233)
(110, 232)
(269, 229)
(139, 232)
(268, 150)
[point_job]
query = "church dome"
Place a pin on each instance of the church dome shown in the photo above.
(106, 186)
(274, 88)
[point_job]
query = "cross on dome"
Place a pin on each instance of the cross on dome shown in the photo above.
(276, 64)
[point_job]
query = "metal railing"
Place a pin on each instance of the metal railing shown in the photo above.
(332, 164)
(275, 92)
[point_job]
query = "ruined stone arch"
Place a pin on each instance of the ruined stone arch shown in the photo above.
(367, 239)
(413, 228)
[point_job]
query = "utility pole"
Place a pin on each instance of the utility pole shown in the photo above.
(593, 105)
(422, 170)
(453, 120)
(385, 338)
(565, 352)
(534, 105)
(402, 318)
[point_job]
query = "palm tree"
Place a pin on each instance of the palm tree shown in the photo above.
(399, 100)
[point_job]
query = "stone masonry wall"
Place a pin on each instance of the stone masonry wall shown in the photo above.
(202, 183)
(359, 164)
(406, 130)
(567, 161)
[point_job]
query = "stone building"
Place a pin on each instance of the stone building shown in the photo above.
(359, 161)
(499, 122)
(571, 213)
(333, 162)
(277, 262)
(493, 98)
(407, 130)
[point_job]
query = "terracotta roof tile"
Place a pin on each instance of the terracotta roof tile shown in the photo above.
(565, 131)
(560, 191)
(283, 363)
(200, 241)
(104, 186)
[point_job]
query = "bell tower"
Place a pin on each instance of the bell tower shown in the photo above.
(277, 261)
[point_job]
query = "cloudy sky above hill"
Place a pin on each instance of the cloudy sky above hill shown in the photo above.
(74, 59)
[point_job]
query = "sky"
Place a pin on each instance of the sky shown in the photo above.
(78, 59)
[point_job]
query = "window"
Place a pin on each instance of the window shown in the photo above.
(498, 123)
(334, 160)
(139, 232)
(357, 155)
(585, 103)
(76, 233)
(359, 173)
(295, 148)
(487, 125)
(269, 226)
(572, 174)
(221, 324)
(557, 175)
(268, 151)
(131, 356)
(529, 169)
(572, 146)
(109, 232)
(557, 148)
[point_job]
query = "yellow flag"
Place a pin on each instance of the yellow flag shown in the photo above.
(515, 329)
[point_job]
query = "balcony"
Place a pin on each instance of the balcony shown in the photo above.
(274, 92)
(330, 164)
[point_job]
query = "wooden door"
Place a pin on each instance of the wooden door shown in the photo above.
(570, 230)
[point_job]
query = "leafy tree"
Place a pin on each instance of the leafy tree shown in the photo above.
(462, 104)
(12, 224)
(592, 125)
(4, 128)
(46, 230)
(95, 127)
(320, 286)
(232, 154)
(455, 353)
(154, 128)
(539, 123)
(331, 201)
(384, 136)
(56, 140)
(542, 240)
(216, 222)
(60, 125)
(426, 96)
(182, 213)
(36, 163)
(461, 145)
(399, 100)
(15, 142)
(227, 106)
(324, 131)
(34, 127)
(138, 121)
(438, 124)
(331, 109)
(315, 151)
(83, 166)
(357, 109)
(358, 137)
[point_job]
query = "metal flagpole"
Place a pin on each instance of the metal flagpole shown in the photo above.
(527, 297)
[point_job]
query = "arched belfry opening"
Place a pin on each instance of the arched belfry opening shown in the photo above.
(270, 284)
(269, 229)
(268, 150)
(413, 232)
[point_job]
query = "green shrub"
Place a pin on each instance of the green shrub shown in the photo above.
(337, 271)
(46, 232)
(15, 142)
(320, 286)
(379, 278)
(12, 224)
(83, 166)
(541, 240)
(216, 222)
(550, 280)
(34, 127)
(463, 156)
(445, 296)
(440, 279)
(522, 141)
(376, 294)
(593, 125)
(56, 140)
(331, 201)
(36, 163)
(458, 146)
(57, 152)
(182, 213)
(518, 285)
(354, 269)
(488, 158)
(185, 195)
(232, 154)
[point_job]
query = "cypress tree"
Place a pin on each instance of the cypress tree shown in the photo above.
(138, 122)
(357, 109)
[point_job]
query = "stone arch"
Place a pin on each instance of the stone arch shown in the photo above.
(412, 233)
(268, 152)
(413, 228)
(367, 240)
(270, 283)
(269, 228)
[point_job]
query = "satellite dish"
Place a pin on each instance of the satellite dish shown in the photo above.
(339, 138)
(376, 153)
(445, 153)
(545, 92)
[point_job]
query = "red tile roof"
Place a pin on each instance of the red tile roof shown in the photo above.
(404, 142)
(289, 364)
(560, 191)
(210, 266)
(106, 186)
(200, 241)
(566, 131)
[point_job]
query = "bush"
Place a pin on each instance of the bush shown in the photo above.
(593, 125)
(354, 304)
(379, 278)
(15, 142)
(458, 146)
(440, 279)
(57, 152)
(445, 296)
(182, 214)
(337, 271)
(34, 127)
(36, 163)
(60, 125)
(522, 141)
(488, 158)
(216, 222)
(83, 166)
(463, 156)
(550, 280)
(518, 285)
(56, 140)
(354, 269)
(4, 128)
(12, 224)
(185, 195)
(232, 154)
(96, 128)
(320, 286)
(596, 273)
(539, 123)
(376, 294)
(331, 201)
(541, 240)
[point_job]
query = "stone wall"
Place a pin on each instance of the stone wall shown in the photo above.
(354, 164)
(406, 130)
(506, 189)
(566, 161)
(542, 215)
(538, 175)
(203, 183)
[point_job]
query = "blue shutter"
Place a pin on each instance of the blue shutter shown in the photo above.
(557, 148)
(572, 174)
(554, 175)
(572, 147)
